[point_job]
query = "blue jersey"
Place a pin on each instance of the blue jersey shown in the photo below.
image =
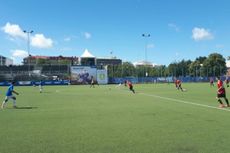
(9, 91)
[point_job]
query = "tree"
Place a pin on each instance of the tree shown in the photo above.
(179, 68)
(41, 61)
(128, 69)
(215, 65)
(196, 67)
(172, 68)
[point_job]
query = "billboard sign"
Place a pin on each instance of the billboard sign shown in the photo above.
(82, 74)
(102, 77)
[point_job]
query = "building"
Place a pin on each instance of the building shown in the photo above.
(86, 59)
(50, 60)
(5, 61)
(143, 63)
(108, 61)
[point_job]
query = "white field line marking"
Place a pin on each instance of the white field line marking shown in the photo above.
(185, 102)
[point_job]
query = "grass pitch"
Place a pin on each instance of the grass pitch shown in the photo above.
(111, 119)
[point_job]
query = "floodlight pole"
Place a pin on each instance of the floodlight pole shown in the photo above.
(28, 47)
(146, 36)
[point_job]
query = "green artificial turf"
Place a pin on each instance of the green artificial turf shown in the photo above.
(111, 119)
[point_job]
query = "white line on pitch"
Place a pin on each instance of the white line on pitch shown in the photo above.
(185, 102)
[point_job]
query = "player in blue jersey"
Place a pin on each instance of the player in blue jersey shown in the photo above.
(9, 95)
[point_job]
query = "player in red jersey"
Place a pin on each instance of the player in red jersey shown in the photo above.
(221, 93)
(178, 85)
(130, 85)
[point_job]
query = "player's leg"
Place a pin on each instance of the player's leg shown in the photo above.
(40, 88)
(131, 88)
(226, 100)
(4, 102)
(133, 91)
(220, 101)
(14, 101)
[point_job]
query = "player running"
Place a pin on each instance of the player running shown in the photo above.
(221, 93)
(130, 85)
(178, 85)
(9, 95)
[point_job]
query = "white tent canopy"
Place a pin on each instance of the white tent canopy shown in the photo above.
(87, 54)
(228, 63)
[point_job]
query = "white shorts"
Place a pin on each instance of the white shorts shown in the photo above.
(10, 97)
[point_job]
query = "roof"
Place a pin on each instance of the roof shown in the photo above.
(87, 54)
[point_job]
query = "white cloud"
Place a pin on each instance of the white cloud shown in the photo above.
(40, 41)
(16, 34)
(87, 35)
(13, 30)
(19, 53)
(174, 27)
(199, 34)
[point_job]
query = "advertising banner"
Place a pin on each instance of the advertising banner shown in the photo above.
(82, 74)
(102, 77)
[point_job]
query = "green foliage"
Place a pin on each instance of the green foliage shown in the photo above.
(195, 67)
(215, 65)
(42, 61)
(179, 68)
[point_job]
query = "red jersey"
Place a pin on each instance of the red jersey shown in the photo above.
(130, 84)
(178, 82)
(220, 87)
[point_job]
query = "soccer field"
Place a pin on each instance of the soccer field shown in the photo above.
(111, 119)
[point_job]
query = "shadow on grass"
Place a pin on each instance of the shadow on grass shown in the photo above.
(23, 107)
(26, 107)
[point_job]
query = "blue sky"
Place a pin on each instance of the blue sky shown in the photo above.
(179, 29)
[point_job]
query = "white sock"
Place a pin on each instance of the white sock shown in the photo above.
(3, 104)
(14, 102)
